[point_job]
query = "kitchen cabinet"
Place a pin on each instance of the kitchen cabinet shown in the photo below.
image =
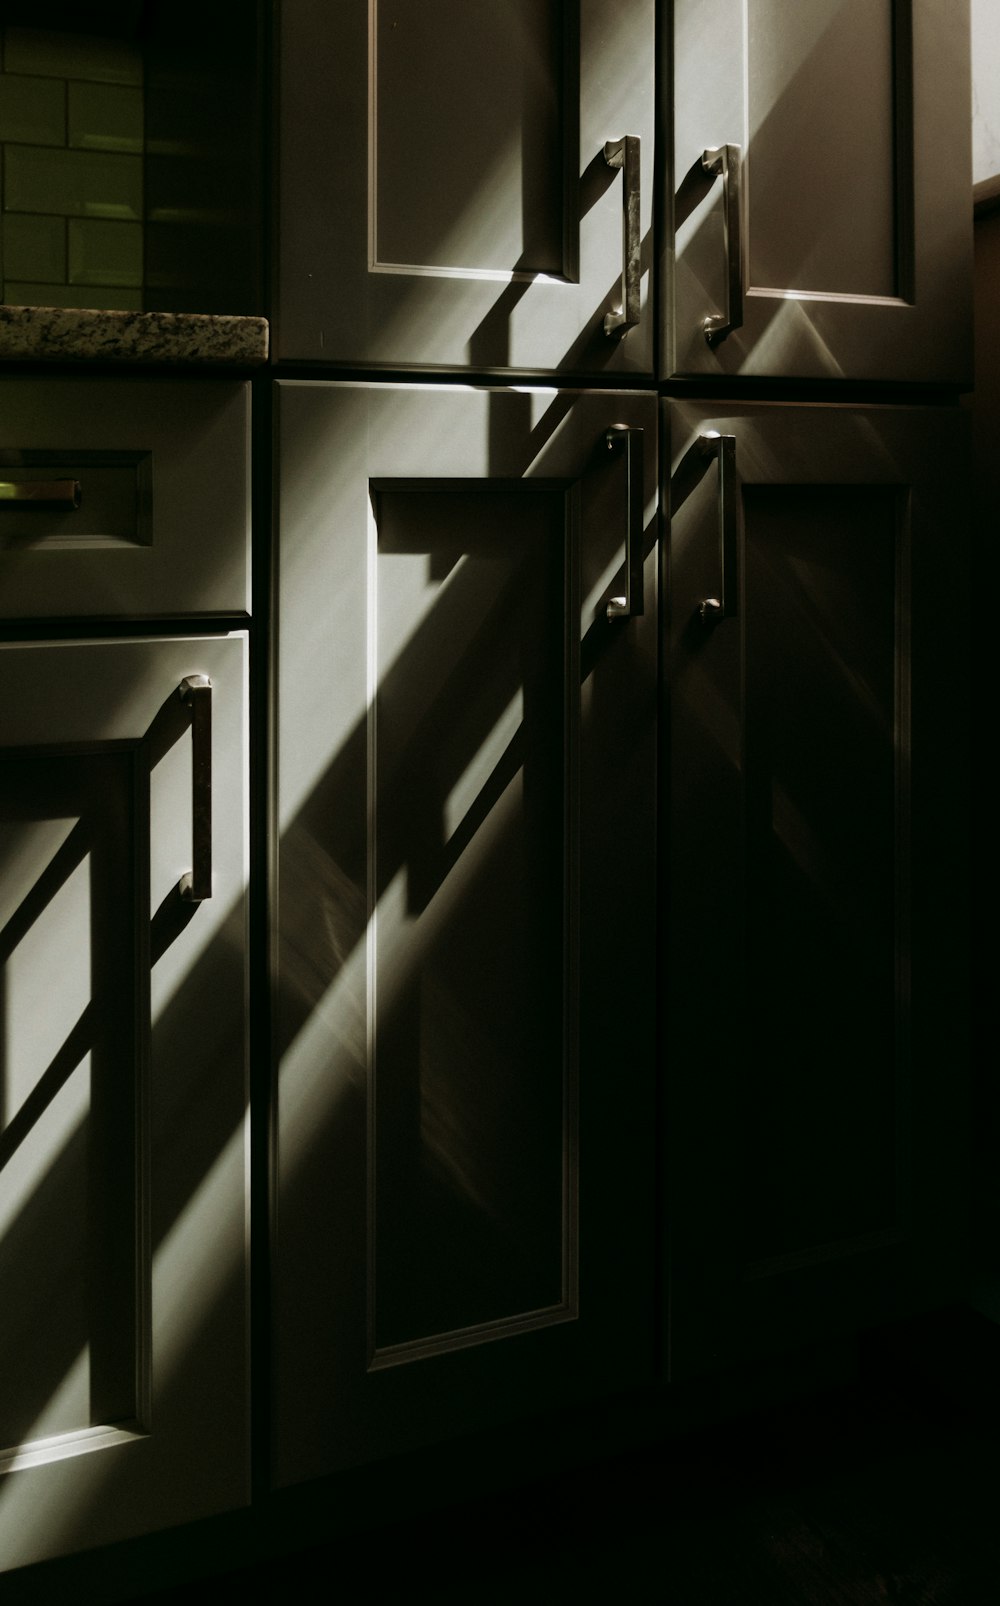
(616, 819)
(814, 1011)
(124, 498)
(466, 766)
(808, 823)
(820, 191)
(124, 1087)
(467, 187)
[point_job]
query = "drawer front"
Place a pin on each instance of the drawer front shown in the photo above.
(125, 498)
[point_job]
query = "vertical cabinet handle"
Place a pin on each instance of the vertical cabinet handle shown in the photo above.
(728, 160)
(723, 449)
(624, 153)
(196, 884)
(632, 604)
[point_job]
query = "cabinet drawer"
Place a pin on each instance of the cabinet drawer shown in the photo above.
(123, 497)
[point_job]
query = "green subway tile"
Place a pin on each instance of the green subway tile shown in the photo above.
(34, 248)
(72, 55)
(105, 117)
(74, 183)
(105, 253)
(32, 110)
(100, 298)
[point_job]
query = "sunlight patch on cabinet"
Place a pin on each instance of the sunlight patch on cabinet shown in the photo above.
(471, 764)
(68, 1095)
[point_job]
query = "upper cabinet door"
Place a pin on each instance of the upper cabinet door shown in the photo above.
(821, 190)
(467, 186)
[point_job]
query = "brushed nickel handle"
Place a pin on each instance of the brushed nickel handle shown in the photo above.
(728, 160)
(633, 603)
(723, 449)
(196, 884)
(64, 494)
(624, 153)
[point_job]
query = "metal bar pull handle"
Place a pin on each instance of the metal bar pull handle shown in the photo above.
(632, 604)
(64, 494)
(624, 153)
(723, 449)
(196, 884)
(728, 160)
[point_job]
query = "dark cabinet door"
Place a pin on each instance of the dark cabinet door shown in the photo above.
(814, 1019)
(466, 909)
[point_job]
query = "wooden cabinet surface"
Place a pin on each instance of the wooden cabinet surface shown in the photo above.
(837, 243)
(123, 1091)
(445, 199)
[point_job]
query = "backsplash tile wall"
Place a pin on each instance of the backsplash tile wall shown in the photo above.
(71, 139)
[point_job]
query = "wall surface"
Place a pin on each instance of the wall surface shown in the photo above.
(131, 160)
(71, 129)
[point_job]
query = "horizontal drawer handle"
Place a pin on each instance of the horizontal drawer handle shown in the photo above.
(41, 493)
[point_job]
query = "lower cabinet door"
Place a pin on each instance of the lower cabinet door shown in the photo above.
(123, 864)
(466, 897)
(814, 1006)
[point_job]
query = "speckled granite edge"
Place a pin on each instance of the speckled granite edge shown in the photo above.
(73, 334)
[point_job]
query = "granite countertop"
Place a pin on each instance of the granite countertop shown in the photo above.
(73, 334)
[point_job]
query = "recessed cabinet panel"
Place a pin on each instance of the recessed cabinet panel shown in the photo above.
(68, 1093)
(840, 172)
(122, 1089)
(509, 162)
(470, 924)
(446, 196)
(466, 909)
(819, 198)
(123, 497)
(822, 798)
(814, 896)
